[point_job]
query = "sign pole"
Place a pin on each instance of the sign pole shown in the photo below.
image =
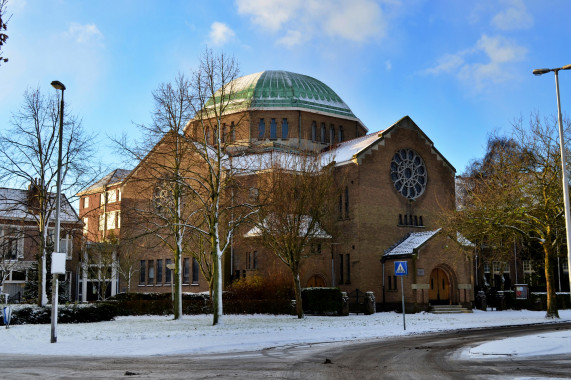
(402, 291)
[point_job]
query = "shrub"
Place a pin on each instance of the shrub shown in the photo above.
(327, 301)
(66, 314)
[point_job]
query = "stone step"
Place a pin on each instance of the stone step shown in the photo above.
(449, 309)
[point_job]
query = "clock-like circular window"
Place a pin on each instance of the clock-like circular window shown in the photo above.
(408, 173)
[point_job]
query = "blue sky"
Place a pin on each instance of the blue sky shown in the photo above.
(460, 69)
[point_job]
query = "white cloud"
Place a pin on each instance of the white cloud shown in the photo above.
(220, 33)
(516, 16)
(84, 34)
(301, 20)
(487, 62)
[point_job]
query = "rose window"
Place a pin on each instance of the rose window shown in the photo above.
(408, 173)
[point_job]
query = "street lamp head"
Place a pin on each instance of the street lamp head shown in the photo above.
(58, 85)
(540, 71)
(566, 67)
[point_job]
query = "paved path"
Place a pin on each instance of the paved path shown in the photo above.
(411, 357)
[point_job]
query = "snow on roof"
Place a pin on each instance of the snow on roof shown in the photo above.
(345, 151)
(318, 233)
(411, 242)
(251, 163)
(113, 178)
(14, 206)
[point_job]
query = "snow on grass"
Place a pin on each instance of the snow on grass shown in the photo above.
(161, 335)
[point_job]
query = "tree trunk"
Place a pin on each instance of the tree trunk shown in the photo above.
(217, 287)
(552, 311)
(297, 288)
(177, 285)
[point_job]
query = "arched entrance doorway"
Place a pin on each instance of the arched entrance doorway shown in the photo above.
(315, 281)
(439, 292)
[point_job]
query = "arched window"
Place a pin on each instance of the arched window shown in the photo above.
(313, 131)
(285, 131)
(261, 129)
(332, 134)
(273, 129)
(323, 133)
(346, 201)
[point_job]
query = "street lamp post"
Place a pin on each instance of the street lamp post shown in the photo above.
(563, 161)
(58, 86)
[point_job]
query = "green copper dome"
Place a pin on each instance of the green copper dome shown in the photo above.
(282, 89)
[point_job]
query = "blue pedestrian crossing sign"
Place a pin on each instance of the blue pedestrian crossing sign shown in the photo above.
(401, 268)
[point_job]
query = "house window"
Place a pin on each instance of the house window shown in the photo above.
(118, 218)
(348, 262)
(527, 267)
(101, 222)
(232, 132)
(255, 260)
(111, 220)
(85, 226)
(119, 194)
(340, 135)
(66, 244)
(285, 129)
(332, 134)
(168, 272)
(86, 202)
(102, 199)
(207, 136)
(12, 243)
(400, 219)
(151, 279)
(112, 196)
(253, 193)
(159, 271)
(261, 129)
(340, 208)
(186, 270)
(313, 131)
(420, 223)
(323, 133)
(341, 271)
(346, 201)
(142, 273)
(195, 270)
(273, 129)
(223, 137)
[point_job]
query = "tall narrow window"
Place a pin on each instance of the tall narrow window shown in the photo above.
(85, 226)
(346, 201)
(142, 273)
(207, 136)
(348, 262)
(151, 279)
(159, 271)
(101, 222)
(273, 129)
(186, 270)
(223, 137)
(323, 133)
(232, 132)
(102, 199)
(195, 270)
(313, 131)
(168, 272)
(340, 215)
(340, 135)
(285, 129)
(400, 219)
(420, 223)
(332, 134)
(341, 271)
(261, 129)
(255, 260)
(86, 202)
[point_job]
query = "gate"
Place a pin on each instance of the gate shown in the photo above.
(356, 301)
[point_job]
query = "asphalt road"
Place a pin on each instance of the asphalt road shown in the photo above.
(431, 356)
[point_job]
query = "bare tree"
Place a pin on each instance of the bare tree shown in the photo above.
(515, 190)
(296, 197)
(28, 157)
(4, 18)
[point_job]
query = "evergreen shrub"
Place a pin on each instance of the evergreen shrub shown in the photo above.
(322, 301)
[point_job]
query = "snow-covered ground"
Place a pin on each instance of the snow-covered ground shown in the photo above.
(153, 335)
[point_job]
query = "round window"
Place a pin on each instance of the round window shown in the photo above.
(408, 173)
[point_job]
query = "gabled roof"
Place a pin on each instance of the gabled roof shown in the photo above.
(114, 178)
(319, 232)
(410, 243)
(353, 151)
(13, 206)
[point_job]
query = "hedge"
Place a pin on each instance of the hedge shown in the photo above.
(322, 301)
(97, 312)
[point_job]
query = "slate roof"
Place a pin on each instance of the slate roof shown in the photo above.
(411, 242)
(115, 177)
(13, 206)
